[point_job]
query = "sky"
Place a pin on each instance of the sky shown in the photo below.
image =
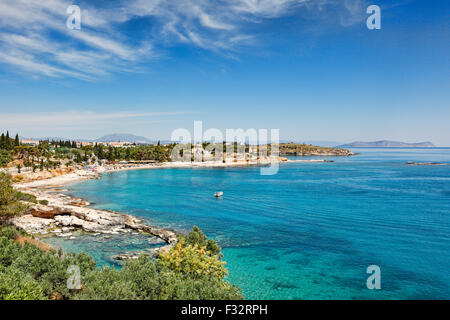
(310, 68)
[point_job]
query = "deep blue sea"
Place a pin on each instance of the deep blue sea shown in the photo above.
(308, 232)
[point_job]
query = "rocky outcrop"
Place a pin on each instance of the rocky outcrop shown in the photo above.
(60, 217)
(411, 163)
(151, 253)
(41, 211)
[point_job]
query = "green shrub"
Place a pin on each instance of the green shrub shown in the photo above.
(5, 157)
(15, 286)
(9, 232)
(20, 196)
(10, 199)
(43, 202)
(27, 272)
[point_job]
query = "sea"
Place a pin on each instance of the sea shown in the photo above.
(311, 231)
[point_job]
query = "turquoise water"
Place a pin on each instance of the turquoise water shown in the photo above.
(310, 231)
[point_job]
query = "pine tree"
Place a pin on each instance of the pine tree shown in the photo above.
(16, 141)
(111, 154)
(100, 153)
(2, 142)
(8, 141)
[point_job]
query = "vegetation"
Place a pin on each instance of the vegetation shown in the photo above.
(11, 200)
(187, 271)
(307, 149)
(5, 157)
(53, 154)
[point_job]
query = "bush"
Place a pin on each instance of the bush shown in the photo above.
(5, 157)
(14, 286)
(17, 178)
(193, 261)
(10, 204)
(20, 196)
(185, 272)
(43, 202)
(9, 232)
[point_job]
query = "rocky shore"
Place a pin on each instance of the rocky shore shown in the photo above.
(63, 216)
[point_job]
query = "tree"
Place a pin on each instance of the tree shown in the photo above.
(78, 158)
(19, 166)
(110, 154)
(8, 141)
(197, 237)
(3, 141)
(17, 141)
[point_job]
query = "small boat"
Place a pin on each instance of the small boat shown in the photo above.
(218, 194)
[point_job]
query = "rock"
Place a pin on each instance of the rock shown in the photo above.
(130, 255)
(33, 224)
(41, 211)
(65, 235)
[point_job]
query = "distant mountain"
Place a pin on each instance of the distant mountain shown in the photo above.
(386, 144)
(124, 137)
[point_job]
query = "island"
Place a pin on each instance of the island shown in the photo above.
(387, 144)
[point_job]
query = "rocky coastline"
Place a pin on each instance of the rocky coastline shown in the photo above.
(64, 216)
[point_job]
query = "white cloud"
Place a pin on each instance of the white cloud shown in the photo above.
(76, 118)
(34, 37)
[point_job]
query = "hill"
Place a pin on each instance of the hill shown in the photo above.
(124, 137)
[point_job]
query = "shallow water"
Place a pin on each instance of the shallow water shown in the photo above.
(308, 232)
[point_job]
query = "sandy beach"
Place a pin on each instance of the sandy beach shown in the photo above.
(84, 174)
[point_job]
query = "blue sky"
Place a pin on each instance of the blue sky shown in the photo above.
(309, 68)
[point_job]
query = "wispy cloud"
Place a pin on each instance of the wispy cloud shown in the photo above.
(76, 118)
(34, 37)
